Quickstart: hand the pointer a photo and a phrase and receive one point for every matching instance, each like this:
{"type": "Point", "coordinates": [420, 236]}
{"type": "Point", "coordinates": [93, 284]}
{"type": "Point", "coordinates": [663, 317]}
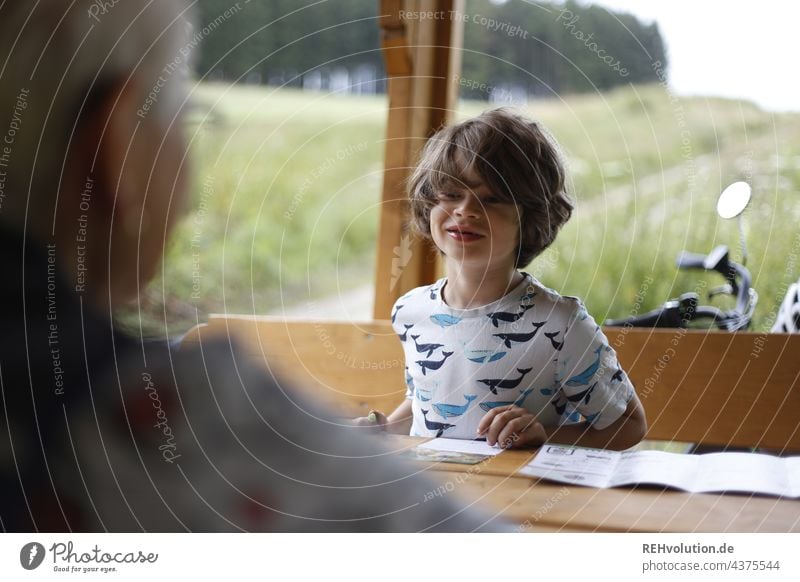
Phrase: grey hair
{"type": "Point", "coordinates": [57, 58]}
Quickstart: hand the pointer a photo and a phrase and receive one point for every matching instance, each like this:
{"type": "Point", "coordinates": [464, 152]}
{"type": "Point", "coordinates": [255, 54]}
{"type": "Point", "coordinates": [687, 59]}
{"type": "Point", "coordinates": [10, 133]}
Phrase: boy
{"type": "Point", "coordinates": [491, 352]}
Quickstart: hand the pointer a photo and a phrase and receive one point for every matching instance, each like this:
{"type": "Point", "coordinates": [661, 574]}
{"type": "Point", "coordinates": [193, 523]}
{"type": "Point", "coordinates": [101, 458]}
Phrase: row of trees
{"type": "Point", "coordinates": [513, 47]}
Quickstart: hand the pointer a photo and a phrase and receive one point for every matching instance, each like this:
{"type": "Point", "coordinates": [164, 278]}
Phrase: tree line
{"type": "Point", "coordinates": [516, 47]}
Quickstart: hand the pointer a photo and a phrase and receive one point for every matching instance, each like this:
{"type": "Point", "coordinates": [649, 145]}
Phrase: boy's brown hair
{"type": "Point", "coordinates": [516, 158]}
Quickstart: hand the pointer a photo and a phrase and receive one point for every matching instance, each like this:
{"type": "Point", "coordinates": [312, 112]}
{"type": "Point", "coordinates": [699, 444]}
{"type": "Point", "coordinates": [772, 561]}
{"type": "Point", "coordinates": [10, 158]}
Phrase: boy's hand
{"type": "Point", "coordinates": [512, 427]}
{"type": "Point", "coordinates": [374, 420]}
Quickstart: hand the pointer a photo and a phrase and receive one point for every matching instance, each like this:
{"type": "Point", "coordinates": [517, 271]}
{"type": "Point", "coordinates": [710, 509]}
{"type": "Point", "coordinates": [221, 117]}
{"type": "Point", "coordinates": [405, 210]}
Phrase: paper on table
{"type": "Point", "coordinates": [742, 472]}
{"type": "Point", "coordinates": [461, 446]}
{"type": "Point", "coordinates": [676, 470]}
{"type": "Point", "coordinates": [590, 467]}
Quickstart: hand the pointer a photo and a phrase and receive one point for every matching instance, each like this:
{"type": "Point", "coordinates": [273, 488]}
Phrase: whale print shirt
{"type": "Point", "coordinates": [533, 348]}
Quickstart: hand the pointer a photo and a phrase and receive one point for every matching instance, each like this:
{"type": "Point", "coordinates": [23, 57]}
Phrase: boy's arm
{"type": "Point", "coordinates": [398, 422]}
{"type": "Point", "coordinates": [513, 426]}
{"type": "Point", "coordinates": [621, 434]}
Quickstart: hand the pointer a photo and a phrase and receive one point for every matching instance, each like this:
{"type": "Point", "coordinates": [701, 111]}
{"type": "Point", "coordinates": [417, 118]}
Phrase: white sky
{"type": "Point", "coordinates": [731, 48]}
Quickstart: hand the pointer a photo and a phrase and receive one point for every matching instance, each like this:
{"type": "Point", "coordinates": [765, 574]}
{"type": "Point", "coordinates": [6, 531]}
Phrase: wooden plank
{"type": "Point", "coordinates": [421, 92]}
{"type": "Point", "coordinates": [450, 85]}
{"type": "Point", "coordinates": [350, 368]}
{"type": "Point", "coordinates": [716, 388]}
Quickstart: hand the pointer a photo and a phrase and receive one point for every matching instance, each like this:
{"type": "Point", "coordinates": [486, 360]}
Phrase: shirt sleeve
{"type": "Point", "coordinates": [590, 376]}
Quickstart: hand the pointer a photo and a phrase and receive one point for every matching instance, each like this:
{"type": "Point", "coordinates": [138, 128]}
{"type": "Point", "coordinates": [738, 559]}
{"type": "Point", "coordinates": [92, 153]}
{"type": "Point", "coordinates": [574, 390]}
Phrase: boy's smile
{"type": "Point", "coordinates": [464, 233]}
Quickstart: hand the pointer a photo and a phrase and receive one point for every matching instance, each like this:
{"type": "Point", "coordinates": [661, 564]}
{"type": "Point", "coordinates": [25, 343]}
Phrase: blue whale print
{"type": "Point", "coordinates": [439, 427]}
{"type": "Point", "coordinates": [424, 394]}
{"type": "Point", "coordinates": [396, 309]}
{"type": "Point", "coordinates": [433, 364]}
{"type": "Point", "coordinates": [586, 375]}
{"type": "Point", "coordinates": [422, 348]}
{"type": "Point", "coordinates": [550, 390]}
{"type": "Point", "coordinates": [507, 317]}
{"type": "Point", "coordinates": [519, 337]}
{"type": "Point", "coordinates": [483, 356]}
{"type": "Point", "coordinates": [444, 320]}
{"type": "Point", "coordinates": [404, 336]}
{"type": "Point", "coordinates": [584, 395]}
{"type": "Point", "coordinates": [448, 410]}
{"type": "Point", "coordinates": [494, 384]}
{"type": "Point", "coordinates": [551, 335]}
{"type": "Point", "coordinates": [487, 406]}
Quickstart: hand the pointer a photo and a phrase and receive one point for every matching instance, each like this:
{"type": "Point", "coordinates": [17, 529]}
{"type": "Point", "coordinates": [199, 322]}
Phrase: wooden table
{"type": "Point", "coordinates": [538, 505]}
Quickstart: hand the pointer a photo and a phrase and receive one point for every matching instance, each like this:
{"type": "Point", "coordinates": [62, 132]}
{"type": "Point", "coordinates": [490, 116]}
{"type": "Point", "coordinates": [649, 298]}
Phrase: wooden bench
{"type": "Point", "coordinates": [712, 388]}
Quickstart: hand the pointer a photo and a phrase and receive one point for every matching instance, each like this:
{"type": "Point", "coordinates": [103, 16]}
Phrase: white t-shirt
{"type": "Point", "coordinates": [533, 348]}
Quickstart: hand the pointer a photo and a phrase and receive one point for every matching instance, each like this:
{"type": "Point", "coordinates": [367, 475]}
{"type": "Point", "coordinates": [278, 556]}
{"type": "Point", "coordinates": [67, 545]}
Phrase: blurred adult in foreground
{"type": "Point", "coordinates": [99, 429]}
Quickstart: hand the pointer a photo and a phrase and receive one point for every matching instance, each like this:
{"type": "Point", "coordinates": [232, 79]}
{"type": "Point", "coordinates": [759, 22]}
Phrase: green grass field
{"type": "Point", "coordinates": [286, 199]}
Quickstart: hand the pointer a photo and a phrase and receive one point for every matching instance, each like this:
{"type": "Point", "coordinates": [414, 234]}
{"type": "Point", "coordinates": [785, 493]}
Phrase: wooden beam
{"type": "Point", "coordinates": [423, 58]}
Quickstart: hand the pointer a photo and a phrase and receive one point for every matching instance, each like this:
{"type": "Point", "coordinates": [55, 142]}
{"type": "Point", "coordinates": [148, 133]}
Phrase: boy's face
{"type": "Point", "coordinates": [474, 227]}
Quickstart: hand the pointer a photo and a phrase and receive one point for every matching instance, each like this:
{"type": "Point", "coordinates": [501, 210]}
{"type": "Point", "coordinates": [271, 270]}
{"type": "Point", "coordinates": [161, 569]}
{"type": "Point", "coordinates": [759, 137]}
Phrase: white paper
{"type": "Point", "coordinates": [590, 467]}
{"type": "Point", "coordinates": [656, 467]}
{"type": "Point", "coordinates": [740, 472]}
{"type": "Point", "coordinates": [461, 446]}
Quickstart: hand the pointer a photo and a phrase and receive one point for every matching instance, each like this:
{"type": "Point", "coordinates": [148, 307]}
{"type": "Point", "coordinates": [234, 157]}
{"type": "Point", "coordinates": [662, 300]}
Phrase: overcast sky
{"type": "Point", "coordinates": [732, 48]}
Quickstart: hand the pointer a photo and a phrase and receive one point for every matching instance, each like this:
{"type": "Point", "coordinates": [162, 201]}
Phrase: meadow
{"type": "Point", "coordinates": [286, 197]}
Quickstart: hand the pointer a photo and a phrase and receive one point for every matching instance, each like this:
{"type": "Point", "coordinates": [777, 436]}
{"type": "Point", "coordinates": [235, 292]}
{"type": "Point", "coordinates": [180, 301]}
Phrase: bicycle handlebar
{"type": "Point", "coordinates": [687, 260]}
{"type": "Point", "coordinates": [678, 313]}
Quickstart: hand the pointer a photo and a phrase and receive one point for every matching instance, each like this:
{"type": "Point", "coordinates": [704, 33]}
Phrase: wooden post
{"type": "Point", "coordinates": [421, 43]}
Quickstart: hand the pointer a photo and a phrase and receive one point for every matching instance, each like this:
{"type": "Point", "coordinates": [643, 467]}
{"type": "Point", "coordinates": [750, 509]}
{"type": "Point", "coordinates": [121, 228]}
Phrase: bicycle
{"type": "Point", "coordinates": [686, 311]}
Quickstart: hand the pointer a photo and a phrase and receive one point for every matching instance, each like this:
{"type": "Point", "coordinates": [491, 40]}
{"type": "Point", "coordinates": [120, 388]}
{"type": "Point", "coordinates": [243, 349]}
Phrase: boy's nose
{"type": "Point", "coordinates": [470, 206]}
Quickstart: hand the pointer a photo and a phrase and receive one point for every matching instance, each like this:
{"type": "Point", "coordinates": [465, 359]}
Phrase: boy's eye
{"type": "Point", "coordinates": [491, 200]}
{"type": "Point", "coordinates": [448, 196]}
